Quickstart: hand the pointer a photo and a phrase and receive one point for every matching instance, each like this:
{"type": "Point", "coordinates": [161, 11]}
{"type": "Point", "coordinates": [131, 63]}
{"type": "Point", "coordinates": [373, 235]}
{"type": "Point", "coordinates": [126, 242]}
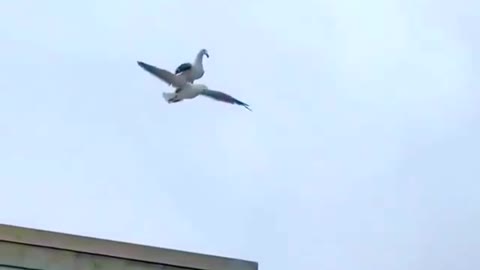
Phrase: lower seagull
{"type": "Point", "coordinates": [187, 90]}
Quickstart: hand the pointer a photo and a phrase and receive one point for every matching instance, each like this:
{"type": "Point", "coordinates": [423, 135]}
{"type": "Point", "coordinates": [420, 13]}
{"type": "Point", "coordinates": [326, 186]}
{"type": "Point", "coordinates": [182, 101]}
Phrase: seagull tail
{"type": "Point", "coordinates": [168, 96]}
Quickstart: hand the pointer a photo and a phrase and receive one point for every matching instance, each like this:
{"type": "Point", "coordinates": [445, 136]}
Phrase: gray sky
{"type": "Point", "coordinates": [360, 152]}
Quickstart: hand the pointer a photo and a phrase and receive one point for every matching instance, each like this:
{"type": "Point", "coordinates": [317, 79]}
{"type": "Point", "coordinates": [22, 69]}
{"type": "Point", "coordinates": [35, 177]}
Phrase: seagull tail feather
{"type": "Point", "coordinates": [168, 96]}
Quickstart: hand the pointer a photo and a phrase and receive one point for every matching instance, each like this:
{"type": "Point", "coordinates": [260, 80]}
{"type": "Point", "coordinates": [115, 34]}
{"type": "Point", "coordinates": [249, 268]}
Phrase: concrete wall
{"type": "Point", "coordinates": [32, 257]}
{"type": "Point", "coordinates": [43, 250]}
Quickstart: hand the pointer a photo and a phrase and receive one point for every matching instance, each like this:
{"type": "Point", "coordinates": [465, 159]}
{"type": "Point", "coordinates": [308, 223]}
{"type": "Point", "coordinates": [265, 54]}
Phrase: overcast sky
{"type": "Point", "coordinates": [362, 150]}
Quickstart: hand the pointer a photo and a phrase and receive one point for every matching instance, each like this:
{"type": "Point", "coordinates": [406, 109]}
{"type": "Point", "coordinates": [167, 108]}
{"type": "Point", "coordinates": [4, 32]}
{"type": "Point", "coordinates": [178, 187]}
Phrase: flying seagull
{"type": "Point", "coordinates": [186, 89]}
{"type": "Point", "coordinates": [193, 71]}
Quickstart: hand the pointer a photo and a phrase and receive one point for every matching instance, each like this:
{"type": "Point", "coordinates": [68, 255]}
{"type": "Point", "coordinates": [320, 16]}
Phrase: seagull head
{"type": "Point", "coordinates": [205, 52]}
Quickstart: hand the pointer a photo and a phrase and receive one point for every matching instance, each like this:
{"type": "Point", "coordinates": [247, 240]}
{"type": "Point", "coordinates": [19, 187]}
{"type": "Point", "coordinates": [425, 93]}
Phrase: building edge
{"type": "Point", "coordinates": [118, 249]}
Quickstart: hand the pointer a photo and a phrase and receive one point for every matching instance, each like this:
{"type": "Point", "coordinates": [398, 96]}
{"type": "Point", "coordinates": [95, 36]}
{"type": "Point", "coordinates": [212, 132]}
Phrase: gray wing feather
{"type": "Point", "coordinates": [186, 71]}
{"type": "Point", "coordinates": [220, 96]}
{"type": "Point", "coordinates": [183, 67]}
{"type": "Point", "coordinates": [164, 75]}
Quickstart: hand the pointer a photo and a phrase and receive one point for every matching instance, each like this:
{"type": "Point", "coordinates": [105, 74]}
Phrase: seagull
{"type": "Point", "coordinates": [186, 89]}
{"type": "Point", "coordinates": [193, 71]}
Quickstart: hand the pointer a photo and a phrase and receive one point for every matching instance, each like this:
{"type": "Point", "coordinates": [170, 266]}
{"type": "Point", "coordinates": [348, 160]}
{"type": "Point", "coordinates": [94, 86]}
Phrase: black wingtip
{"type": "Point", "coordinates": [243, 104]}
{"type": "Point", "coordinates": [146, 66]}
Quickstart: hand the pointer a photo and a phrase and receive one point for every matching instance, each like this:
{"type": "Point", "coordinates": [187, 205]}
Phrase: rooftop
{"type": "Point", "coordinates": [121, 250]}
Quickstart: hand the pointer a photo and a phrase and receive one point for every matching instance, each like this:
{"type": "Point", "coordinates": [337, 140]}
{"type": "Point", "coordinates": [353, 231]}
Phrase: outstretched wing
{"type": "Point", "coordinates": [183, 67]}
{"type": "Point", "coordinates": [164, 75]}
{"type": "Point", "coordinates": [220, 96]}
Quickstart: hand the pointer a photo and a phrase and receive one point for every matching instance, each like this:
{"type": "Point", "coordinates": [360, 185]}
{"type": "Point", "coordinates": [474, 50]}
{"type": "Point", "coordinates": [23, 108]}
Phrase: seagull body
{"type": "Point", "coordinates": [194, 71]}
{"type": "Point", "coordinates": [186, 89]}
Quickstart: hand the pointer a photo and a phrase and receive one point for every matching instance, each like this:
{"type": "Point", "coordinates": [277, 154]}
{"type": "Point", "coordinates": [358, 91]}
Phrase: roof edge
{"type": "Point", "coordinates": [105, 247]}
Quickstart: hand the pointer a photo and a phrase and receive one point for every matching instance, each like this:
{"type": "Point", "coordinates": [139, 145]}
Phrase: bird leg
{"type": "Point", "coordinates": [174, 100]}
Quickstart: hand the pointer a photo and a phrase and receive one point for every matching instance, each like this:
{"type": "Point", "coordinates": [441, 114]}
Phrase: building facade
{"type": "Point", "coordinates": [31, 249]}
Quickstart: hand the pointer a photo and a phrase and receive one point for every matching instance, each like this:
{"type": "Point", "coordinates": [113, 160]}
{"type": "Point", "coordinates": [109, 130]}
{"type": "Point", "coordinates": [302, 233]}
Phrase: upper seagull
{"type": "Point", "coordinates": [186, 89]}
{"type": "Point", "coordinates": [193, 71]}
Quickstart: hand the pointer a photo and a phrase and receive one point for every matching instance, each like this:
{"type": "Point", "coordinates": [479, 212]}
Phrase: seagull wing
{"type": "Point", "coordinates": [183, 67]}
{"type": "Point", "coordinates": [220, 96]}
{"type": "Point", "coordinates": [164, 75]}
{"type": "Point", "coordinates": [186, 71]}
